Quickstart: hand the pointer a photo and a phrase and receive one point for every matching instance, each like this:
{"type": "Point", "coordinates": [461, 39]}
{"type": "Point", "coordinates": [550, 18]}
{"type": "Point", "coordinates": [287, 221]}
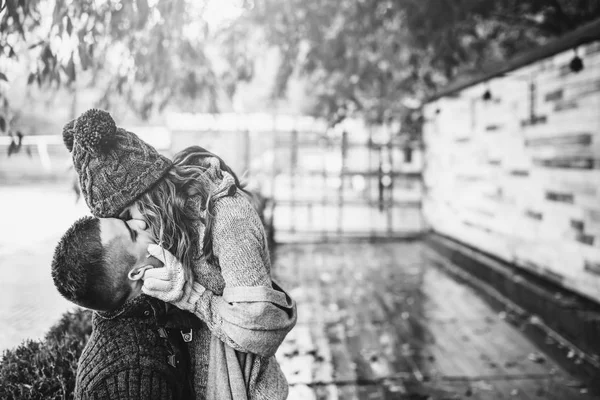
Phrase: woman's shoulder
{"type": "Point", "coordinates": [237, 211]}
{"type": "Point", "coordinates": [237, 205]}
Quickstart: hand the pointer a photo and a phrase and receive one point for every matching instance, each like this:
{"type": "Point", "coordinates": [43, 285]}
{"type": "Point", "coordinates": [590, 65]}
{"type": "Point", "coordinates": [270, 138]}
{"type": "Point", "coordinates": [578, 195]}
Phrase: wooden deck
{"type": "Point", "coordinates": [378, 321]}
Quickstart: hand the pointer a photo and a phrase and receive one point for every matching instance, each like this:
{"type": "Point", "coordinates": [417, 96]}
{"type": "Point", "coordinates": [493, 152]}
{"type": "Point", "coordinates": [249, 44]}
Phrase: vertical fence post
{"type": "Point", "coordinates": [390, 188]}
{"type": "Point", "coordinates": [246, 135]}
{"type": "Point", "coordinates": [293, 165]}
{"type": "Point", "coordinates": [342, 181]}
{"type": "Point", "coordinates": [274, 170]}
{"type": "Point", "coordinates": [370, 176]}
{"type": "Point", "coordinates": [324, 204]}
{"type": "Point", "coordinates": [380, 179]}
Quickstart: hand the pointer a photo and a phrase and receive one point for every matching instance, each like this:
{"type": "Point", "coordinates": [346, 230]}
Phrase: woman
{"type": "Point", "coordinates": [216, 259]}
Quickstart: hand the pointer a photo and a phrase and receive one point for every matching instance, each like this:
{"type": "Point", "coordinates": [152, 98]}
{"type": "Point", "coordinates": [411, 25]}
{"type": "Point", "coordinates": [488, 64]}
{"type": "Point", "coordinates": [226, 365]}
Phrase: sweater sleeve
{"type": "Point", "coordinates": [255, 317]}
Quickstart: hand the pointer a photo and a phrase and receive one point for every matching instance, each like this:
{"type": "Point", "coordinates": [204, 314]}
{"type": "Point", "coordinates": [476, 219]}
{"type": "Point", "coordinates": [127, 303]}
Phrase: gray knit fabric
{"type": "Point", "coordinates": [125, 358]}
{"type": "Point", "coordinates": [239, 243]}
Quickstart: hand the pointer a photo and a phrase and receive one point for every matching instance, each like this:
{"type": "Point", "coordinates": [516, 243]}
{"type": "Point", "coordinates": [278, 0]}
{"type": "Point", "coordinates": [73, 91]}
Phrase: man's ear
{"type": "Point", "coordinates": [137, 272]}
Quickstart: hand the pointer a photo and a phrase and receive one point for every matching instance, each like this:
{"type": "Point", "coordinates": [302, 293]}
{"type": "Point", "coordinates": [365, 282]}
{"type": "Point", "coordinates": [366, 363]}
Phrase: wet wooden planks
{"type": "Point", "coordinates": [379, 321]}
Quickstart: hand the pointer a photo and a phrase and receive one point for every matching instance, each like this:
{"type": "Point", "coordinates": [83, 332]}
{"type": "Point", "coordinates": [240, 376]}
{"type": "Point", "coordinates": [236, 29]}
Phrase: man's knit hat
{"type": "Point", "coordinates": [115, 166]}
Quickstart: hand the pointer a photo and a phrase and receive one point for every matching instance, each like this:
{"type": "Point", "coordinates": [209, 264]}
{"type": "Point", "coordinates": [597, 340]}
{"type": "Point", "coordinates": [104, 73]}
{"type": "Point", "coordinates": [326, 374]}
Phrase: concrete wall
{"type": "Point", "coordinates": [517, 173]}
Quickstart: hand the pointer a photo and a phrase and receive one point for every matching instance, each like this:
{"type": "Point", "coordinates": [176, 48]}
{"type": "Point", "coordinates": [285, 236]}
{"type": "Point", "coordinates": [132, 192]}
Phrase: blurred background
{"type": "Point", "coordinates": [421, 155]}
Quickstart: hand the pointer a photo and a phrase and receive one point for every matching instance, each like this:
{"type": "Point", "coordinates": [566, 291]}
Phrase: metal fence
{"type": "Point", "coordinates": [353, 181]}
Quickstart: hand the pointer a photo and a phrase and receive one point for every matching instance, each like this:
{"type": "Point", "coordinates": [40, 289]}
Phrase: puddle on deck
{"type": "Point", "coordinates": [378, 321]}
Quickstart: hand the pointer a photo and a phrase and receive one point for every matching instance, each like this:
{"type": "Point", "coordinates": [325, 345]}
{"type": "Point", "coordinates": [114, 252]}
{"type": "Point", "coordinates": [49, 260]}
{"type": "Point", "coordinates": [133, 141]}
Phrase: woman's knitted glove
{"type": "Point", "coordinates": [168, 283]}
{"type": "Point", "coordinates": [164, 283]}
{"type": "Point", "coordinates": [191, 294]}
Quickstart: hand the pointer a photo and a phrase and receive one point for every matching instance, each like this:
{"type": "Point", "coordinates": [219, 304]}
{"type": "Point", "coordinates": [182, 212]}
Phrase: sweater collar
{"type": "Point", "coordinates": [222, 180]}
{"type": "Point", "coordinates": [146, 307]}
{"type": "Point", "coordinates": [140, 306]}
{"type": "Point", "coordinates": [223, 184]}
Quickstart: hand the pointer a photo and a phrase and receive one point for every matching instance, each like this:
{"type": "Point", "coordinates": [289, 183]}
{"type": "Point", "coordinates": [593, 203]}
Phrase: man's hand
{"type": "Point", "coordinates": [164, 283]}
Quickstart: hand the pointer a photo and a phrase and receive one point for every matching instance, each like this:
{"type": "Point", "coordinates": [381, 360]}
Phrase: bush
{"type": "Point", "coordinates": [46, 369]}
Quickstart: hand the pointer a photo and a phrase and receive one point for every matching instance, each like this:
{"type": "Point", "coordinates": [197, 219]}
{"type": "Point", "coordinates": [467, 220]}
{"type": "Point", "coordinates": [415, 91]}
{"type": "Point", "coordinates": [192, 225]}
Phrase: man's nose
{"type": "Point", "coordinates": [137, 224]}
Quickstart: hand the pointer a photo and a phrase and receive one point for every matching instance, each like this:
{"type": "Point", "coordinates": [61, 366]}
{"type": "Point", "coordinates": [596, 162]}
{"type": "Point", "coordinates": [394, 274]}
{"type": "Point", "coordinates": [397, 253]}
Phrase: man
{"type": "Point", "coordinates": [137, 349]}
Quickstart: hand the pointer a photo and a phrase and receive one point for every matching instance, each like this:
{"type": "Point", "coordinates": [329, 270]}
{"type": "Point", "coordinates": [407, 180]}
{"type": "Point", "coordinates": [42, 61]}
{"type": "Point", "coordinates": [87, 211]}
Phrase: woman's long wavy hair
{"type": "Point", "coordinates": [172, 215]}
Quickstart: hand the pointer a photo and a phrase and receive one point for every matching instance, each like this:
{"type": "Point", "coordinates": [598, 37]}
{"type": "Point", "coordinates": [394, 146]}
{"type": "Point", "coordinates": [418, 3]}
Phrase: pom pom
{"type": "Point", "coordinates": [68, 135]}
{"type": "Point", "coordinates": [95, 130]}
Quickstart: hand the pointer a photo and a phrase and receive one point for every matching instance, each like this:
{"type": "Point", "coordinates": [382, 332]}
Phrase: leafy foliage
{"type": "Point", "coordinates": [148, 55]}
{"type": "Point", "coordinates": [374, 58]}
{"type": "Point", "coordinates": [360, 57]}
{"type": "Point", "coordinates": [46, 369]}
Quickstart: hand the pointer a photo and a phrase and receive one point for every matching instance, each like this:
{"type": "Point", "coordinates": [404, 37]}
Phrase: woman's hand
{"type": "Point", "coordinates": [164, 283]}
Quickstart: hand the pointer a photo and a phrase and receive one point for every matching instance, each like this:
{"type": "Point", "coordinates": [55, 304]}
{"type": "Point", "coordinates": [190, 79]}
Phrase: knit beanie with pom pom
{"type": "Point", "coordinates": [115, 166]}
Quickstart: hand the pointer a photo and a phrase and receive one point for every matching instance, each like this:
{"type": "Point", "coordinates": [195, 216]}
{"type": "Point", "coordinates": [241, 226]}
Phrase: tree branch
{"type": "Point", "coordinates": [568, 21]}
{"type": "Point", "coordinates": [522, 20]}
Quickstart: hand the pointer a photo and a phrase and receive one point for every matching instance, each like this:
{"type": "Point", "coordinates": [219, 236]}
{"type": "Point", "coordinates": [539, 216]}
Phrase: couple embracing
{"type": "Point", "coordinates": [176, 267]}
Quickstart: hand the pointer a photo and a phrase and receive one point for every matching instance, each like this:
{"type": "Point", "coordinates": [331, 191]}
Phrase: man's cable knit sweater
{"type": "Point", "coordinates": [126, 357]}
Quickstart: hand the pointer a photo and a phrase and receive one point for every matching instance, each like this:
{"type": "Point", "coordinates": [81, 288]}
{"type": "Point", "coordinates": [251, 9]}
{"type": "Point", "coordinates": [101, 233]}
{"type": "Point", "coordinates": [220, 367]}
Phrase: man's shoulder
{"type": "Point", "coordinates": [122, 346]}
{"type": "Point", "coordinates": [122, 340]}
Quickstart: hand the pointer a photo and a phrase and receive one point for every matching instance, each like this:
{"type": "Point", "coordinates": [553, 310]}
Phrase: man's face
{"type": "Point", "coordinates": [125, 240]}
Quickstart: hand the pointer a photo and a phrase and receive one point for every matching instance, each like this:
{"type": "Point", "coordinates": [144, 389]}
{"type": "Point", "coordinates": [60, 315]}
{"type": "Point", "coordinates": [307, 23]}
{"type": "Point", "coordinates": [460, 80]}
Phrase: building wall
{"type": "Point", "coordinates": [518, 175]}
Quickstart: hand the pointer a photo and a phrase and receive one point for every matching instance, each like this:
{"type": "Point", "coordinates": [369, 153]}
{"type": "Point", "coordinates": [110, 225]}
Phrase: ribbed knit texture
{"type": "Point", "coordinates": [125, 358]}
{"type": "Point", "coordinates": [240, 244]}
{"type": "Point", "coordinates": [114, 166]}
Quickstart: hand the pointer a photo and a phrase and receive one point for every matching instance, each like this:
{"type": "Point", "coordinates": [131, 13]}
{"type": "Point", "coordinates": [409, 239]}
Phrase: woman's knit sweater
{"type": "Point", "coordinates": [229, 306]}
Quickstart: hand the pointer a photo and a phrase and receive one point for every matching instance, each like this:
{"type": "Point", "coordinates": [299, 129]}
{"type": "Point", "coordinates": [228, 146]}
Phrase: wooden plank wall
{"type": "Point", "coordinates": [513, 168]}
